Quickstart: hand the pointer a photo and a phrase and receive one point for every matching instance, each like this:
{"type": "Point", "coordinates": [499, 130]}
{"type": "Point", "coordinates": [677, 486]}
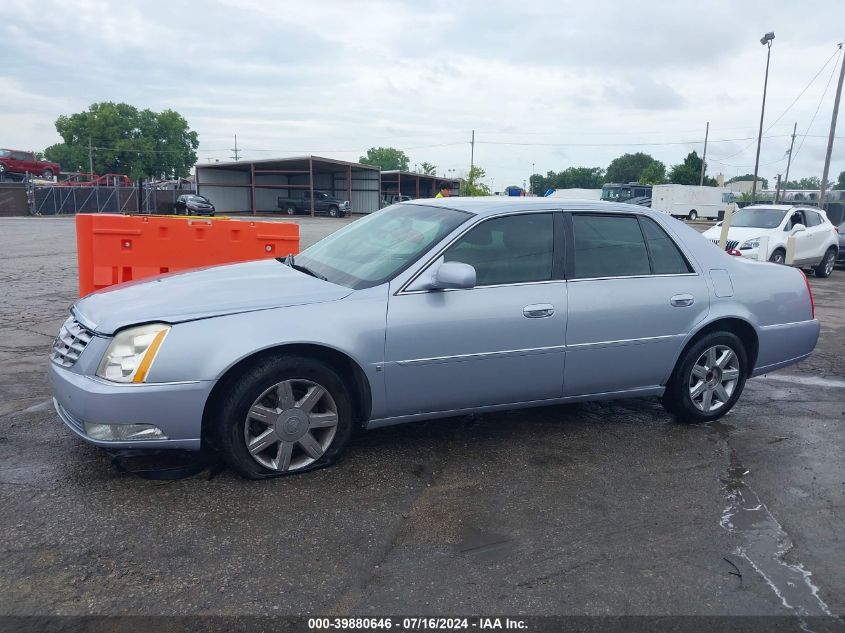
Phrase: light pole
{"type": "Point", "coordinates": [766, 41]}
{"type": "Point", "coordinates": [532, 178]}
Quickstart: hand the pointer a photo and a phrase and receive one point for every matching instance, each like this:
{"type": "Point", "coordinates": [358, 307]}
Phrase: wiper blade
{"type": "Point", "coordinates": [289, 261]}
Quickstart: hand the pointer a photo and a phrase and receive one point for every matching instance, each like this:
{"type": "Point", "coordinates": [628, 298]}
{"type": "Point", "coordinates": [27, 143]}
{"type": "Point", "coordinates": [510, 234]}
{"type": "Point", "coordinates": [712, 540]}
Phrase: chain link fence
{"type": "Point", "coordinates": [27, 198]}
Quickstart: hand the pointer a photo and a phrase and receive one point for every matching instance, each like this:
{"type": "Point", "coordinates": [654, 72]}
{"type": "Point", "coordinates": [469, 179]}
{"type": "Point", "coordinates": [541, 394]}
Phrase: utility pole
{"type": "Point", "coordinates": [90, 157]}
{"type": "Point", "coordinates": [235, 150]}
{"type": "Point", "coordinates": [832, 132]}
{"type": "Point", "coordinates": [531, 182]}
{"type": "Point", "coordinates": [789, 162]}
{"type": "Point", "coordinates": [766, 41]}
{"type": "Point", "coordinates": [472, 152]}
{"type": "Point", "coordinates": [777, 190]}
{"type": "Point", "coordinates": [703, 158]}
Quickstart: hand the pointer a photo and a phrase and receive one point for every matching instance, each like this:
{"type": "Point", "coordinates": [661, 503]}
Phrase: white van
{"type": "Point", "coordinates": [691, 201]}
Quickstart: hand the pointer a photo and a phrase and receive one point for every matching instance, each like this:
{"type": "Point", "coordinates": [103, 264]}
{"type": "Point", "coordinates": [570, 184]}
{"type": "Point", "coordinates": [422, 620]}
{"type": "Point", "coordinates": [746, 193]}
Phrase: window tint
{"type": "Point", "coordinates": [508, 250]}
{"type": "Point", "coordinates": [607, 246]}
{"type": "Point", "coordinates": [813, 218]}
{"type": "Point", "coordinates": [666, 259]}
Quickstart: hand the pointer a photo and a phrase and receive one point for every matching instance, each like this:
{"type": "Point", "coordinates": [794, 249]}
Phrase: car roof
{"type": "Point", "coordinates": [785, 207]}
{"type": "Point", "coordinates": [493, 205]}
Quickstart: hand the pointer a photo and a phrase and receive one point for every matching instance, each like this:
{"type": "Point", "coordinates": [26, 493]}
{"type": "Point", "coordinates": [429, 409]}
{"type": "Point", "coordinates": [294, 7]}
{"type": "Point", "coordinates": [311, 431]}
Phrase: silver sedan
{"type": "Point", "coordinates": [426, 309]}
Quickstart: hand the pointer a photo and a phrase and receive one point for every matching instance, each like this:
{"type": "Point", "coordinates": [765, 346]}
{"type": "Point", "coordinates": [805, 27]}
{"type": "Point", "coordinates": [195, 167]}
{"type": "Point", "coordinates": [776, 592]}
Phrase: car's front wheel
{"type": "Point", "coordinates": [285, 415]}
{"type": "Point", "coordinates": [693, 215]}
{"type": "Point", "coordinates": [333, 212]}
{"type": "Point", "coordinates": [48, 174]}
{"type": "Point", "coordinates": [778, 256]}
{"type": "Point", "coordinates": [826, 266]}
{"type": "Point", "coordinates": [708, 378]}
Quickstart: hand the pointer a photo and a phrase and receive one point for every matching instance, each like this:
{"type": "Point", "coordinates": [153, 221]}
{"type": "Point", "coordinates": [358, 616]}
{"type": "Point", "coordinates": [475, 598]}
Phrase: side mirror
{"type": "Point", "coordinates": [798, 228]}
{"type": "Point", "coordinates": [452, 275]}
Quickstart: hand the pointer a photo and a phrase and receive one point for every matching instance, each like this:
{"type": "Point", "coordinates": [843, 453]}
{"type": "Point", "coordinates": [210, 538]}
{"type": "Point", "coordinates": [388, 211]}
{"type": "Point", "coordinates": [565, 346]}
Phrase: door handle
{"type": "Point", "coordinates": [682, 301]}
{"type": "Point", "coordinates": [538, 310]}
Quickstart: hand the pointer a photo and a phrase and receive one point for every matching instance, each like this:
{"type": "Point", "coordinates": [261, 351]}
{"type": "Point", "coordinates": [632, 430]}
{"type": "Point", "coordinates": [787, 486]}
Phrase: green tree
{"type": "Point", "coordinates": [386, 158]}
{"type": "Point", "coordinates": [653, 174]}
{"type": "Point", "coordinates": [125, 140]}
{"type": "Point", "coordinates": [750, 178]}
{"type": "Point", "coordinates": [840, 184]}
{"type": "Point", "coordinates": [569, 178]}
{"type": "Point", "coordinates": [628, 167]}
{"type": "Point", "coordinates": [472, 185]}
{"type": "Point", "coordinates": [428, 169]}
{"type": "Point", "coordinates": [805, 183]}
{"type": "Point", "coordinates": [689, 172]}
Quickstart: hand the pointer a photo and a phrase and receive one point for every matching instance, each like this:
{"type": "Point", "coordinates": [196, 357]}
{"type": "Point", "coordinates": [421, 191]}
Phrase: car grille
{"type": "Point", "coordinates": [70, 343]}
{"type": "Point", "coordinates": [728, 245]}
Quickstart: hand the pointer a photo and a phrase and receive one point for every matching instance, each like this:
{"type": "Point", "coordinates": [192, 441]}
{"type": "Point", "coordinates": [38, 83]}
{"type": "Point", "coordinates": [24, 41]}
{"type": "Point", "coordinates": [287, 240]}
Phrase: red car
{"type": "Point", "coordinates": [16, 162]}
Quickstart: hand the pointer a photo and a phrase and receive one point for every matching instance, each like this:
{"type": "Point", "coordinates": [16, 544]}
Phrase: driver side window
{"type": "Point", "coordinates": [508, 250]}
{"type": "Point", "coordinates": [797, 217]}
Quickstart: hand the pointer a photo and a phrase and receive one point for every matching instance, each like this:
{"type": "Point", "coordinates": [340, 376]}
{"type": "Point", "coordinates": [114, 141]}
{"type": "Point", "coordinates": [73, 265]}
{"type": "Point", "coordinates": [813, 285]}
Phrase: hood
{"type": "Point", "coordinates": [203, 293]}
{"type": "Point", "coordinates": [740, 234]}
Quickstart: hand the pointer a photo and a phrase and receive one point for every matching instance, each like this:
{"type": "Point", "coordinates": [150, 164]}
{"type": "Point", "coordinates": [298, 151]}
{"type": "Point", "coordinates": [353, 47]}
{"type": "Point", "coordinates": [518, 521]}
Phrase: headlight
{"type": "Point", "coordinates": [132, 352]}
{"type": "Point", "coordinates": [754, 242]}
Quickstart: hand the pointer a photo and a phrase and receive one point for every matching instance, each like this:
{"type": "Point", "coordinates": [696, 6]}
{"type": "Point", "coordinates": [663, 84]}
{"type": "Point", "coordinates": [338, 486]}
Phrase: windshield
{"type": "Point", "coordinates": [758, 218]}
{"type": "Point", "coordinates": [4, 153]}
{"type": "Point", "coordinates": [196, 199]}
{"type": "Point", "coordinates": [376, 248]}
{"type": "Point", "coordinates": [611, 193]}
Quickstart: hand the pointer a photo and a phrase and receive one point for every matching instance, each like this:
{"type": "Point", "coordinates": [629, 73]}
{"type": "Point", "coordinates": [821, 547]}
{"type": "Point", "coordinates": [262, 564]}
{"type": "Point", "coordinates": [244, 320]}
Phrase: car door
{"type": "Point", "coordinates": [819, 234]}
{"type": "Point", "coordinates": [19, 165]}
{"type": "Point", "coordinates": [633, 299]}
{"type": "Point", "coordinates": [501, 341]}
{"type": "Point", "coordinates": [803, 239]}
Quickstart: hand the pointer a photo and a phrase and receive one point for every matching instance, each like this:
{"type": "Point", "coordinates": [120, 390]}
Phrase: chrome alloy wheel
{"type": "Point", "coordinates": [714, 378]}
{"type": "Point", "coordinates": [291, 425]}
{"type": "Point", "coordinates": [829, 263]}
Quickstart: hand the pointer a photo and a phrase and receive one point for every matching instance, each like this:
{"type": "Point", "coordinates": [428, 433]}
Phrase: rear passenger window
{"type": "Point", "coordinates": [666, 259]}
{"type": "Point", "coordinates": [813, 218]}
{"type": "Point", "coordinates": [608, 246]}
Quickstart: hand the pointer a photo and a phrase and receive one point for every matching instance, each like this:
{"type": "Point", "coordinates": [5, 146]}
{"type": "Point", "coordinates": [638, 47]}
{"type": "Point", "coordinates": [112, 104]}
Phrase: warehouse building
{"type": "Point", "coordinates": [255, 186]}
{"type": "Point", "coordinates": [399, 185]}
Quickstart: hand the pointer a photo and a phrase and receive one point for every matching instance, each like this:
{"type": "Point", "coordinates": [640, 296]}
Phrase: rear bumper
{"type": "Point", "coordinates": [785, 344]}
{"type": "Point", "coordinates": [176, 408]}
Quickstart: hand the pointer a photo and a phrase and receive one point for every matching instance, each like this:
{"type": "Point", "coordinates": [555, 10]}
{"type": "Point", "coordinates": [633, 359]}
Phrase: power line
{"type": "Point", "coordinates": [824, 94]}
{"type": "Point", "coordinates": [794, 101]}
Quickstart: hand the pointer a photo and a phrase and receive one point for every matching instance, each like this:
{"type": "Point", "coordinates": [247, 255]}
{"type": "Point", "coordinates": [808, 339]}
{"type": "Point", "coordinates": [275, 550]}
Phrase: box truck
{"type": "Point", "coordinates": [691, 201]}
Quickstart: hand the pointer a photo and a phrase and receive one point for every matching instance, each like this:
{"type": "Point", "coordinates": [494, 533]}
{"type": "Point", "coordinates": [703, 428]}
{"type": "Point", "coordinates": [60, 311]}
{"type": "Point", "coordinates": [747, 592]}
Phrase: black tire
{"type": "Point", "coordinates": [333, 211]}
{"type": "Point", "coordinates": [693, 215]}
{"type": "Point", "coordinates": [778, 256]}
{"type": "Point", "coordinates": [827, 264]}
{"type": "Point", "coordinates": [290, 210]}
{"type": "Point", "coordinates": [2, 168]}
{"type": "Point", "coordinates": [226, 430]}
{"type": "Point", "coordinates": [48, 174]}
{"type": "Point", "coordinates": [677, 398]}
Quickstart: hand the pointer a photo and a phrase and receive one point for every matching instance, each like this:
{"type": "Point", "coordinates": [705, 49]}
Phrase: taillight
{"type": "Point", "coordinates": [735, 252]}
{"type": "Point", "coordinates": [810, 293]}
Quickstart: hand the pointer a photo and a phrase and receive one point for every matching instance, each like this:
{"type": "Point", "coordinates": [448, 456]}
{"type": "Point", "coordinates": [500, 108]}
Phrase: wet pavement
{"type": "Point", "coordinates": [599, 509]}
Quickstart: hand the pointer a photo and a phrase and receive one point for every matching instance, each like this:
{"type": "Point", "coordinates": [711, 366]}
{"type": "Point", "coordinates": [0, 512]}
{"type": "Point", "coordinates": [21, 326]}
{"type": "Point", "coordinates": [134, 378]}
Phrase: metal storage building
{"type": "Point", "coordinates": [254, 186]}
{"type": "Point", "coordinates": [409, 183]}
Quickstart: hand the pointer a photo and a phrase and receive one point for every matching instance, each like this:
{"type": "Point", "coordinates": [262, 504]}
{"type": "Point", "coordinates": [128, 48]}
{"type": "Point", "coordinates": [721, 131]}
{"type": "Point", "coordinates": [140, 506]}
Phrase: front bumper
{"type": "Point", "coordinates": [176, 408]}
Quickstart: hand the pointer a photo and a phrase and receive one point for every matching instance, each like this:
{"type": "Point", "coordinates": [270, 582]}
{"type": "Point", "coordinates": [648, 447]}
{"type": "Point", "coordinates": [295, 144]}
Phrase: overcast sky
{"type": "Point", "coordinates": [556, 84]}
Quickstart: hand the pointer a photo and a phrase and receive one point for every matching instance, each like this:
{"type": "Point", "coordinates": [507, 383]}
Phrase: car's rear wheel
{"type": "Point", "coordinates": [708, 378]}
{"type": "Point", "coordinates": [693, 215]}
{"type": "Point", "coordinates": [290, 210]}
{"type": "Point", "coordinates": [284, 416]}
{"type": "Point", "coordinates": [778, 256]}
{"type": "Point", "coordinates": [826, 266]}
{"type": "Point", "coordinates": [48, 174]}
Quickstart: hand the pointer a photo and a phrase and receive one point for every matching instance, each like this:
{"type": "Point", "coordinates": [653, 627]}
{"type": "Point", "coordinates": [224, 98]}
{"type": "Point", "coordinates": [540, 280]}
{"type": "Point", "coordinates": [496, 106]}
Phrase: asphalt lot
{"type": "Point", "coordinates": [599, 509]}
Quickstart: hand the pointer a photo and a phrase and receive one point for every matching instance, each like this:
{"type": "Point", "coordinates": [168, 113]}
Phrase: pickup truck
{"type": "Point", "coordinates": [13, 161]}
{"type": "Point", "coordinates": [323, 204]}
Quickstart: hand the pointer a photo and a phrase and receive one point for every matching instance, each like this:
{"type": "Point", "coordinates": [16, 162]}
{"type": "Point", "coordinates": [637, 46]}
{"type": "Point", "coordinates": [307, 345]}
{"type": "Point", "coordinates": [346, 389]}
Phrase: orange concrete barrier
{"type": "Point", "coordinates": [116, 248]}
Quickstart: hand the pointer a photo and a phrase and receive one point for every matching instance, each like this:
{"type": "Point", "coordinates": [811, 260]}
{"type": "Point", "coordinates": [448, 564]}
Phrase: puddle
{"type": "Point", "coordinates": [805, 380]}
{"type": "Point", "coordinates": [765, 543]}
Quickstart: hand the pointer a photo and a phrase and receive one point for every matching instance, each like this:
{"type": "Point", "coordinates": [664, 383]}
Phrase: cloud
{"type": "Point", "coordinates": [575, 83]}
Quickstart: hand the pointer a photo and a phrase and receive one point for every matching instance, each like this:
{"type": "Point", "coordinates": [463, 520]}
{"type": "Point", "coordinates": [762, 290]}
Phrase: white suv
{"type": "Point", "coordinates": [816, 239]}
